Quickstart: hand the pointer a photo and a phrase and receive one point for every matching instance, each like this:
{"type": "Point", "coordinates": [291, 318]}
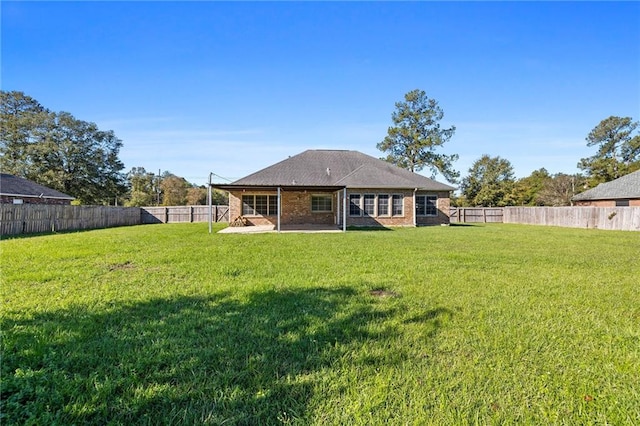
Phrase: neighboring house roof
{"type": "Point", "coordinates": [337, 169]}
{"type": "Point", "coordinates": [625, 187]}
{"type": "Point", "coordinates": [14, 186]}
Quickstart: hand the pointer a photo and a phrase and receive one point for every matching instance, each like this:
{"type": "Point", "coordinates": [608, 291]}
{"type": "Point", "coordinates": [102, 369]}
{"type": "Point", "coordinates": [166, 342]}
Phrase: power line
{"type": "Point", "coordinates": [221, 177]}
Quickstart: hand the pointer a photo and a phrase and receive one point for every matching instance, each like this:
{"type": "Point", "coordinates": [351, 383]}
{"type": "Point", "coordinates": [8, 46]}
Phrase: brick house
{"type": "Point", "coordinates": [17, 190]}
{"type": "Point", "coordinates": [621, 192]}
{"type": "Point", "coordinates": [338, 188]}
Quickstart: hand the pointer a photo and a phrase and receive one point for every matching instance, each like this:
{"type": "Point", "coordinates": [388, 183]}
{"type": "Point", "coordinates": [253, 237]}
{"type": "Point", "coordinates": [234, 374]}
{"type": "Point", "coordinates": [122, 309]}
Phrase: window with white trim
{"type": "Point", "coordinates": [254, 205]}
{"type": "Point", "coordinates": [355, 208]}
{"type": "Point", "coordinates": [426, 205]}
{"type": "Point", "coordinates": [321, 203]}
{"type": "Point", "coordinates": [383, 204]}
{"type": "Point", "coordinates": [397, 205]}
{"type": "Point", "coordinates": [369, 201]}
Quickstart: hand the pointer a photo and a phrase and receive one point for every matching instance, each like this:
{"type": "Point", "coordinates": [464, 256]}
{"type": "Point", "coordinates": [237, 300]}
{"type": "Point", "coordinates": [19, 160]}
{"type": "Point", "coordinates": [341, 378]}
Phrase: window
{"type": "Point", "coordinates": [426, 205]}
{"type": "Point", "coordinates": [321, 203]}
{"type": "Point", "coordinates": [265, 205]}
{"type": "Point", "coordinates": [261, 205]}
{"type": "Point", "coordinates": [273, 205]}
{"type": "Point", "coordinates": [354, 205]}
{"type": "Point", "coordinates": [369, 204]}
{"type": "Point", "coordinates": [397, 206]}
{"type": "Point", "coordinates": [622, 203]}
{"type": "Point", "coordinates": [383, 205]}
{"type": "Point", "coordinates": [247, 205]}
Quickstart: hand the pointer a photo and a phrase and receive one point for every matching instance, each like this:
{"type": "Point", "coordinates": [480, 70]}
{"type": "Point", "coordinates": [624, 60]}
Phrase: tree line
{"type": "Point", "coordinates": [167, 189]}
{"type": "Point", "coordinates": [76, 157]}
{"type": "Point", "coordinates": [414, 141]}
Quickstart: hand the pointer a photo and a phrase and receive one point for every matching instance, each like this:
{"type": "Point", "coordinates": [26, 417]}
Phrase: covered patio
{"type": "Point", "coordinates": [280, 208]}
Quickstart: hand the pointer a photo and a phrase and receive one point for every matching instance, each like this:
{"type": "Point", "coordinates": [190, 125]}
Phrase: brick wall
{"type": "Point", "coordinates": [296, 209]}
{"type": "Point", "coordinates": [605, 203]}
{"type": "Point", "coordinates": [407, 218]}
{"type": "Point", "coordinates": [295, 205]}
{"type": "Point", "coordinates": [443, 205]}
{"type": "Point", "coordinates": [235, 208]}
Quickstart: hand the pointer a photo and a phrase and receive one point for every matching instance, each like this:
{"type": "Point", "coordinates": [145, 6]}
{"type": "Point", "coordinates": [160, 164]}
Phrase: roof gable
{"type": "Point", "coordinates": [11, 185]}
{"type": "Point", "coordinates": [627, 186]}
{"type": "Point", "coordinates": [352, 169]}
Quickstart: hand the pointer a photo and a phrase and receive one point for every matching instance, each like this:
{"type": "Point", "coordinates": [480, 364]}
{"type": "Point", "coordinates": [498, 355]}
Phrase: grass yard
{"type": "Point", "coordinates": [166, 324]}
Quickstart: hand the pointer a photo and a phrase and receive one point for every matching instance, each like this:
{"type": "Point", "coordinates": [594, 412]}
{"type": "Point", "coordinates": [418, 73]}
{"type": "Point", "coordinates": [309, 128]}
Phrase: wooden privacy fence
{"type": "Point", "coordinates": [34, 218]}
{"type": "Point", "coordinates": [181, 214]}
{"type": "Point", "coordinates": [610, 218]}
{"type": "Point", "coordinates": [476, 214]}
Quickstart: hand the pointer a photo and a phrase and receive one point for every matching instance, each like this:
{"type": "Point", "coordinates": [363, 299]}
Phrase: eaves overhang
{"type": "Point", "coordinates": [323, 188]}
{"type": "Point", "coordinates": [5, 194]}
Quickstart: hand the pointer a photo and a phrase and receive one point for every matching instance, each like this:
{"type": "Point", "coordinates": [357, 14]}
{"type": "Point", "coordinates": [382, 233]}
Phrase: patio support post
{"type": "Point", "coordinates": [209, 202]}
{"type": "Point", "coordinates": [279, 207]}
{"type": "Point", "coordinates": [344, 210]}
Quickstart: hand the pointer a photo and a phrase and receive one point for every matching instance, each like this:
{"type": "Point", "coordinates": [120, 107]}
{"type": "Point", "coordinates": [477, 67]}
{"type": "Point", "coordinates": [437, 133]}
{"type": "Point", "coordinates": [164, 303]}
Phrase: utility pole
{"type": "Point", "coordinates": [158, 188]}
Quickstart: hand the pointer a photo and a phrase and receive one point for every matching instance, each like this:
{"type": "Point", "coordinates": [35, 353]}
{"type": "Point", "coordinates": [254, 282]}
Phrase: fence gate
{"type": "Point", "coordinates": [476, 214]}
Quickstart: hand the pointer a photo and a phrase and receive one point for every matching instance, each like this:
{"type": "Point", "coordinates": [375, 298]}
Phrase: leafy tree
{"type": "Point", "coordinates": [59, 151]}
{"type": "Point", "coordinates": [142, 186]}
{"type": "Point", "coordinates": [174, 190]}
{"type": "Point", "coordinates": [489, 183]}
{"type": "Point", "coordinates": [526, 190]}
{"type": "Point", "coordinates": [412, 142]}
{"type": "Point", "coordinates": [560, 189]}
{"type": "Point", "coordinates": [618, 150]}
{"type": "Point", "coordinates": [23, 121]}
{"type": "Point", "coordinates": [219, 198]}
{"type": "Point", "coordinates": [196, 195]}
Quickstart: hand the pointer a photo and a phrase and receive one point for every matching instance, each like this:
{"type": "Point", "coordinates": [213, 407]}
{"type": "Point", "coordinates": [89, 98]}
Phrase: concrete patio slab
{"type": "Point", "coordinates": [261, 229]}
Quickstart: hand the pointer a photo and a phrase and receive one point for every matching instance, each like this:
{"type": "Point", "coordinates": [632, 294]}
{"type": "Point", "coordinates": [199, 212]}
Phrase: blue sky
{"type": "Point", "coordinates": [230, 88]}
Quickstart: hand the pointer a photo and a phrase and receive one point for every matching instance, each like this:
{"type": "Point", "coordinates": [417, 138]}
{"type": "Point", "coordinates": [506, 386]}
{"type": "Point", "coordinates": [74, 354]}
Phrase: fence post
{"type": "Point", "coordinates": [190, 214]}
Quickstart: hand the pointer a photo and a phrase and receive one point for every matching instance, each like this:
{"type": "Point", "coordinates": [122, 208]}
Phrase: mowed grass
{"type": "Point", "coordinates": [166, 324]}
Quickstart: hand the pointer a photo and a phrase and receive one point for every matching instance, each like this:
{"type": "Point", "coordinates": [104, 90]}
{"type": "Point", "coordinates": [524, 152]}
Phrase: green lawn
{"type": "Point", "coordinates": [166, 324]}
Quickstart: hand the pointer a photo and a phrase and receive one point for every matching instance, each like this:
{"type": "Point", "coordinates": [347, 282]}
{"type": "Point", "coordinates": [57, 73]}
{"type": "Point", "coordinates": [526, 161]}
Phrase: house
{"type": "Point", "coordinates": [621, 192]}
{"type": "Point", "coordinates": [17, 190]}
{"type": "Point", "coordinates": [341, 188]}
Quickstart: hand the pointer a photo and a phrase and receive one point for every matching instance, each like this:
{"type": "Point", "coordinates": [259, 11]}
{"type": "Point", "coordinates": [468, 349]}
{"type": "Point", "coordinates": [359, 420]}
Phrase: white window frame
{"type": "Point", "coordinates": [388, 213]}
{"type": "Point", "coordinates": [374, 212]}
{"type": "Point", "coordinates": [359, 205]}
{"type": "Point", "coordinates": [425, 198]}
{"type": "Point", "coordinates": [252, 206]}
{"type": "Point", "coordinates": [393, 197]}
{"type": "Point", "coordinates": [324, 196]}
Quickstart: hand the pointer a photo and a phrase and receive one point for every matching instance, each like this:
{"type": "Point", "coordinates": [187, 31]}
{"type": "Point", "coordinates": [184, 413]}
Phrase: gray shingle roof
{"type": "Point", "coordinates": [625, 187]}
{"type": "Point", "coordinates": [11, 185]}
{"type": "Point", "coordinates": [338, 168]}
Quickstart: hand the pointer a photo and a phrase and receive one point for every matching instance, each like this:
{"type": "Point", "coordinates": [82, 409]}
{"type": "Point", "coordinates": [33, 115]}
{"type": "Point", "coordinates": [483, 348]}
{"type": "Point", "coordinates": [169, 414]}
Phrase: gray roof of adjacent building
{"type": "Point", "coordinates": [338, 168]}
{"type": "Point", "coordinates": [625, 187]}
{"type": "Point", "coordinates": [14, 186]}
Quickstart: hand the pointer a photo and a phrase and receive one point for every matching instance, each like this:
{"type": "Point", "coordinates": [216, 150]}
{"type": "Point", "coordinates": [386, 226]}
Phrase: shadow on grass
{"type": "Point", "coordinates": [189, 360]}
{"type": "Point", "coordinates": [369, 228]}
{"type": "Point", "coordinates": [465, 225]}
